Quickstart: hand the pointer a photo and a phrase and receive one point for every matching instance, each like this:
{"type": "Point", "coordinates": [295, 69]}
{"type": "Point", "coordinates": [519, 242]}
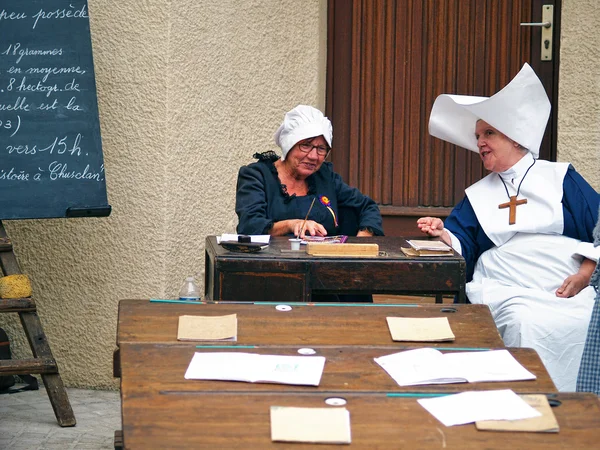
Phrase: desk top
{"type": "Point", "coordinates": [307, 324]}
{"type": "Point", "coordinates": [218, 420]}
{"type": "Point", "coordinates": [389, 248]}
{"type": "Point", "coordinates": [161, 367]}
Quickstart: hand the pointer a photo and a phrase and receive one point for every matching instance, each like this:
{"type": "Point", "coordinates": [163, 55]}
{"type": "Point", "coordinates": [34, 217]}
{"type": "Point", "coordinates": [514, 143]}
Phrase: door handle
{"type": "Point", "coordinates": [547, 26]}
{"type": "Point", "coordinates": [537, 24]}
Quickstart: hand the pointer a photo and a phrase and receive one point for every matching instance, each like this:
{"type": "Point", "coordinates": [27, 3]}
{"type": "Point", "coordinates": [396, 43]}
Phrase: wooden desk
{"type": "Point", "coordinates": [273, 275]}
{"type": "Point", "coordinates": [315, 324]}
{"type": "Point", "coordinates": [242, 420]}
{"type": "Point", "coordinates": [161, 368]}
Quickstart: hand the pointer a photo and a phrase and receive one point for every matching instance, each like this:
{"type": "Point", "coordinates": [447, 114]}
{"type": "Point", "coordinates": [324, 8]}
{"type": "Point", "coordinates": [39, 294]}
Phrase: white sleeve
{"type": "Point", "coordinates": [588, 250]}
{"type": "Point", "coordinates": [454, 241]}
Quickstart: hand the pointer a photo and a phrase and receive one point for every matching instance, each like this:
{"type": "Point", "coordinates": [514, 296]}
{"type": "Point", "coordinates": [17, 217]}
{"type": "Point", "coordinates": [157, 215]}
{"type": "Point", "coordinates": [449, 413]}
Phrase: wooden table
{"type": "Point", "coordinates": [242, 420]}
{"type": "Point", "coordinates": [276, 274]}
{"type": "Point", "coordinates": [307, 324]}
{"type": "Point", "coordinates": [161, 368]}
{"type": "Point", "coordinates": [160, 409]}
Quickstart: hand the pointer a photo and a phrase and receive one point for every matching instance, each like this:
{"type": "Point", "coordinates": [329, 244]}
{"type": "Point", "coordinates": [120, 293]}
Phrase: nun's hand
{"type": "Point", "coordinates": [572, 285]}
{"type": "Point", "coordinates": [432, 226]}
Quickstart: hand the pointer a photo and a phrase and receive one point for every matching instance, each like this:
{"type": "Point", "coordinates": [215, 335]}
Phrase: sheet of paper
{"type": "Point", "coordinates": [471, 406]}
{"type": "Point", "coordinates": [546, 423]}
{"type": "Point", "coordinates": [258, 238]}
{"type": "Point", "coordinates": [207, 328]}
{"type": "Point", "coordinates": [420, 366]}
{"type": "Point", "coordinates": [317, 425]}
{"type": "Point", "coordinates": [430, 366]}
{"type": "Point", "coordinates": [428, 329]}
{"type": "Point", "coordinates": [492, 365]}
{"type": "Point", "coordinates": [254, 368]}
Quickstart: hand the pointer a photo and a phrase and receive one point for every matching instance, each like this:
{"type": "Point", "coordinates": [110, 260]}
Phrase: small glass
{"type": "Point", "coordinates": [295, 243]}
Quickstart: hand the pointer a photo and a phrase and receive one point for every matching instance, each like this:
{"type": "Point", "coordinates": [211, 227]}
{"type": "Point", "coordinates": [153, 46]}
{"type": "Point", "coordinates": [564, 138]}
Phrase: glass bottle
{"type": "Point", "coordinates": [189, 291]}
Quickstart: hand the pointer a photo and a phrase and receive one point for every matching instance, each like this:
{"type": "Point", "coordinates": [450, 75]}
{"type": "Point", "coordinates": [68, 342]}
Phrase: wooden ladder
{"type": "Point", "coordinates": [43, 362]}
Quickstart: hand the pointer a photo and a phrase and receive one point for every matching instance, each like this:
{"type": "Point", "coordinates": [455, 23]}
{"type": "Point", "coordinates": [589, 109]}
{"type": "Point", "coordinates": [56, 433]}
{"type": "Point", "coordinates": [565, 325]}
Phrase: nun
{"type": "Point", "coordinates": [526, 229]}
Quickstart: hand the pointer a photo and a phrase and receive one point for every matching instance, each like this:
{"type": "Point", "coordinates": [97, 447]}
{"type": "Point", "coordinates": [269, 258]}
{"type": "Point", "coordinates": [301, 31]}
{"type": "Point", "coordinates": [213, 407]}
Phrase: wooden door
{"type": "Point", "coordinates": [387, 62]}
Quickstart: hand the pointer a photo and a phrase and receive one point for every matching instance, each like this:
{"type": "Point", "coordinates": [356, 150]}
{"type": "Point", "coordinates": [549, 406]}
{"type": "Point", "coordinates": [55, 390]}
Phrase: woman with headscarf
{"type": "Point", "coordinates": [525, 230]}
{"type": "Point", "coordinates": [274, 194]}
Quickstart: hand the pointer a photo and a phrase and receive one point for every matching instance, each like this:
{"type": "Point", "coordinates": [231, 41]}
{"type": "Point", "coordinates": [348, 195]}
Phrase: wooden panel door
{"type": "Point", "coordinates": [387, 62]}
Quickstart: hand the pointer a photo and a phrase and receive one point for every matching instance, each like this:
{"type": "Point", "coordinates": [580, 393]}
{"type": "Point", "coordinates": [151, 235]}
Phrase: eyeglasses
{"type": "Point", "coordinates": [306, 147]}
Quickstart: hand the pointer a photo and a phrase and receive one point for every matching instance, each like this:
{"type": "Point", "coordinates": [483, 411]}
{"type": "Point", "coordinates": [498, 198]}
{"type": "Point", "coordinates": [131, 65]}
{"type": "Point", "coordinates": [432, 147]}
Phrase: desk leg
{"type": "Point", "coordinates": [439, 298]}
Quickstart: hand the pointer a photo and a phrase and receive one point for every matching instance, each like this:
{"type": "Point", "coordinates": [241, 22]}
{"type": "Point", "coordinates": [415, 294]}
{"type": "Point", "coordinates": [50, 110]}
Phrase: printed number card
{"type": "Point", "coordinates": [429, 329]}
{"type": "Point", "coordinates": [207, 328]}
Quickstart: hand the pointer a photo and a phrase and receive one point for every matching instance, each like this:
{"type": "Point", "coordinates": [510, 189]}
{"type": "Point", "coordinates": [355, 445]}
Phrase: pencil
{"type": "Point", "coordinates": [306, 218]}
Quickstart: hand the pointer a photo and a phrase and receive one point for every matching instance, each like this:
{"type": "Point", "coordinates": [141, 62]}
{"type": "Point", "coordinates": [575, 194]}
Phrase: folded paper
{"type": "Point", "coordinates": [207, 328]}
{"type": "Point", "coordinates": [430, 366]}
{"type": "Point", "coordinates": [316, 425]}
{"type": "Point", "coordinates": [428, 329]}
{"type": "Point", "coordinates": [255, 368]}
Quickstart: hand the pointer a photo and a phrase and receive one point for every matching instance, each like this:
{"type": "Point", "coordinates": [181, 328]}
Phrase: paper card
{"type": "Point", "coordinates": [317, 425]}
{"type": "Point", "coordinates": [207, 328]}
{"type": "Point", "coordinates": [429, 329]}
{"type": "Point", "coordinates": [546, 423]}
{"type": "Point", "coordinates": [473, 406]}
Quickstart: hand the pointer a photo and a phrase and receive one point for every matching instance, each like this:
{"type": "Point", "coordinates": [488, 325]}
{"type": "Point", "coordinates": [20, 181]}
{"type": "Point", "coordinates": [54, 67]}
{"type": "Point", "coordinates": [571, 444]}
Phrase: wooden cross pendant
{"type": "Point", "coordinates": [512, 204]}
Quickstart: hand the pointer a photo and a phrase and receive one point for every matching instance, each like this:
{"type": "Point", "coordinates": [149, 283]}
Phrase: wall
{"type": "Point", "coordinates": [188, 91]}
{"type": "Point", "coordinates": [579, 91]}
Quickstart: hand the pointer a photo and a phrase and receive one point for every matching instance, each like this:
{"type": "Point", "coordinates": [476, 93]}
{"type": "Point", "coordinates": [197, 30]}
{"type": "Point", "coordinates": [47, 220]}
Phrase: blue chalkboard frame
{"type": "Point", "coordinates": [51, 161]}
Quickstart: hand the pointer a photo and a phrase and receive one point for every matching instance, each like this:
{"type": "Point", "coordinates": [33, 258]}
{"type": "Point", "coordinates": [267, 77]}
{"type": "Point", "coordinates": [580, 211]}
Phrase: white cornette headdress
{"type": "Point", "coordinates": [520, 111]}
{"type": "Point", "coordinates": [300, 123]}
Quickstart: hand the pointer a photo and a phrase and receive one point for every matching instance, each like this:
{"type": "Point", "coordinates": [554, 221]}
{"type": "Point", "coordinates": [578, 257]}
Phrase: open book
{"type": "Point", "coordinates": [254, 368]}
{"type": "Point", "coordinates": [430, 366]}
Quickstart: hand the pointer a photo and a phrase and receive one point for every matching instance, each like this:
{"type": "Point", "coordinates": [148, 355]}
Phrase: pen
{"type": "Point", "coordinates": [417, 394]}
{"type": "Point", "coordinates": [200, 302]}
{"type": "Point", "coordinates": [306, 218]}
{"type": "Point", "coordinates": [226, 346]}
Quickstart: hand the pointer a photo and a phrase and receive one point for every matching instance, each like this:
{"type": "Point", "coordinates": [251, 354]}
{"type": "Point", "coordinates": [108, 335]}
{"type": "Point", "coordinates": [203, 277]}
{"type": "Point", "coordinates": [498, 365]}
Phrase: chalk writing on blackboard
{"type": "Point", "coordinates": [51, 158]}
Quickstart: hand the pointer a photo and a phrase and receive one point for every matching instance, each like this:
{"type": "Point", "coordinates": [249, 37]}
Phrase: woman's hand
{"type": "Point", "coordinates": [311, 228]}
{"type": "Point", "coordinates": [574, 284]}
{"type": "Point", "coordinates": [432, 226]}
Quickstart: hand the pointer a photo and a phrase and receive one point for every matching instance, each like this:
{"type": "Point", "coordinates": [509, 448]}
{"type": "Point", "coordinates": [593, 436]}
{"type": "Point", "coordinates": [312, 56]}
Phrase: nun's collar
{"type": "Point", "coordinates": [518, 170]}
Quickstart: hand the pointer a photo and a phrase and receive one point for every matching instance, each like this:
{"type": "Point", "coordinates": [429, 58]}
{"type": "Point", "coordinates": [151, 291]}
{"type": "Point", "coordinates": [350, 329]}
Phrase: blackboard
{"type": "Point", "coordinates": [51, 162]}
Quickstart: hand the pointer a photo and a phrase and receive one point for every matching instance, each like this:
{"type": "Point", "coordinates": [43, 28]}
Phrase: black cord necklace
{"type": "Point", "coordinates": [513, 202]}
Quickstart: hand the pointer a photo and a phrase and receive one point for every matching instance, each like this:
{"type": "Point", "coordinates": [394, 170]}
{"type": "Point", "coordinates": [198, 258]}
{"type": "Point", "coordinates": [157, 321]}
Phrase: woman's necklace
{"type": "Point", "coordinates": [513, 203]}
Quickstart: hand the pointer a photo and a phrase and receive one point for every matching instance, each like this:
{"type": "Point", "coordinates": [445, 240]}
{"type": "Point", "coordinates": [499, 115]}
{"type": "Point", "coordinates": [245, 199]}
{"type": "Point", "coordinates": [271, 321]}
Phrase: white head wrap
{"type": "Point", "coordinates": [520, 111]}
{"type": "Point", "coordinates": [300, 123]}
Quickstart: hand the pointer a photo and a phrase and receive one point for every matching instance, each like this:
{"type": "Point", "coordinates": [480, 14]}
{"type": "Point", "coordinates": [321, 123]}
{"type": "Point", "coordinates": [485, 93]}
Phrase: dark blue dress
{"type": "Point", "coordinates": [261, 200]}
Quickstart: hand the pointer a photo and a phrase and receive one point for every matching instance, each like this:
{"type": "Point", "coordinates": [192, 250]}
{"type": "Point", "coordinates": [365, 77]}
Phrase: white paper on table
{"type": "Point", "coordinates": [472, 406]}
{"type": "Point", "coordinates": [258, 238]}
{"type": "Point", "coordinates": [430, 366]}
{"type": "Point", "coordinates": [254, 368]}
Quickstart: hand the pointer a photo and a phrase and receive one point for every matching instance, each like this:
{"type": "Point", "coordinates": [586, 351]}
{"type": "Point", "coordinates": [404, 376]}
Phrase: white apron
{"type": "Point", "coordinates": [518, 281]}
